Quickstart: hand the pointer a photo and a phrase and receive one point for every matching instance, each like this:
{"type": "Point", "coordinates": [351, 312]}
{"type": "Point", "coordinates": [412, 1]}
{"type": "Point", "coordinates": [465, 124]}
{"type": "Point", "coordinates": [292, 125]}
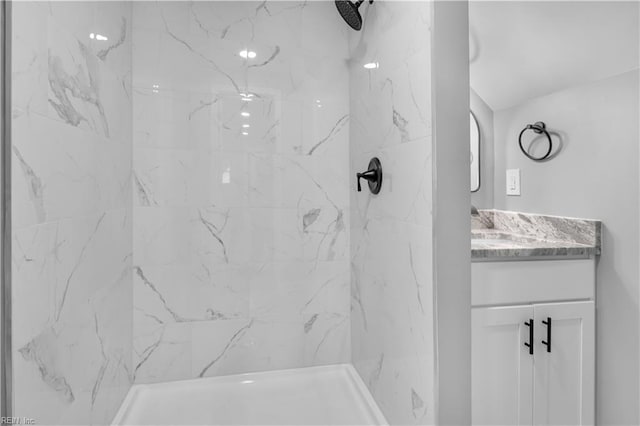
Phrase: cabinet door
{"type": "Point", "coordinates": [502, 369]}
{"type": "Point", "coordinates": [564, 389]}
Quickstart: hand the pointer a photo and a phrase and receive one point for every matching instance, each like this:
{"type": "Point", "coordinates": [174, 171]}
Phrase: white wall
{"type": "Point", "coordinates": [451, 243]}
{"type": "Point", "coordinates": [594, 176]}
{"type": "Point", "coordinates": [483, 198]}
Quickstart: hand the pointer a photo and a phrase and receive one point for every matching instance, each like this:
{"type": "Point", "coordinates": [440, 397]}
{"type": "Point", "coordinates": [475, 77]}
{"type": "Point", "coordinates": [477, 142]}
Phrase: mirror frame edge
{"type": "Point", "coordinates": [475, 120]}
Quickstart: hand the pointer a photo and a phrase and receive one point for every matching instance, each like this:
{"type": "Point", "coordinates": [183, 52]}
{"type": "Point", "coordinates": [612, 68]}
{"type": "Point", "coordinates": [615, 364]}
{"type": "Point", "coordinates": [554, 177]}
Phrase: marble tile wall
{"type": "Point", "coordinates": [72, 210]}
{"type": "Point", "coordinates": [392, 321]}
{"type": "Point", "coordinates": [241, 187]}
{"type": "Point", "coordinates": [241, 247]}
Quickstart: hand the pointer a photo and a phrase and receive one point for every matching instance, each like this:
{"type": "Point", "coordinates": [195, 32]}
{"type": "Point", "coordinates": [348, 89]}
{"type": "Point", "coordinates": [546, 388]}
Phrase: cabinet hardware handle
{"type": "Point", "coordinates": [548, 341]}
{"type": "Point", "coordinates": [530, 344]}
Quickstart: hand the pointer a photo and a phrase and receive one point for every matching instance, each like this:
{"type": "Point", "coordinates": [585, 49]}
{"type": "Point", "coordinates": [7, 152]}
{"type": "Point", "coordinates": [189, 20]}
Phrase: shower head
{"type": "Point", "coordinates": [349, 12]}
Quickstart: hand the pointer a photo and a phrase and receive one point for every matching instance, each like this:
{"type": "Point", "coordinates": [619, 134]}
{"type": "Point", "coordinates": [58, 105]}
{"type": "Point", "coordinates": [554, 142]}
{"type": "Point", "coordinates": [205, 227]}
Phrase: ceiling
{"type": "Point", "coordinates": [521, 50]}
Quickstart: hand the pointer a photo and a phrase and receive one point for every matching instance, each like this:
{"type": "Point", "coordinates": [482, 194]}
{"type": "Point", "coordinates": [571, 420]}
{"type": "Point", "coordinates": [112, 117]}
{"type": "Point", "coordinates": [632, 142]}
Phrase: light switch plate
{"type": "Point", "coordinates": [513, 182]}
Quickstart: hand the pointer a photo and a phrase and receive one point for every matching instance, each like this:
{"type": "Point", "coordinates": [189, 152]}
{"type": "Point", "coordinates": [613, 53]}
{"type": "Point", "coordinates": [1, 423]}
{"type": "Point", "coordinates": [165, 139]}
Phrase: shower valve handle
{"type": "Point", "coordinates": [373, 176]}
{"type": "Point", "coordinates": [370, 175]}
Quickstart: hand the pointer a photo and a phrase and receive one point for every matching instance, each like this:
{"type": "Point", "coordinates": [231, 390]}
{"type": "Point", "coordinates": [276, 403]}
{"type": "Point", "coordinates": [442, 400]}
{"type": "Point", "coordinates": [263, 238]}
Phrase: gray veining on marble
{"type": "Point", "coordinates": [498, 234]}
{"type": "Point", "coordinates": [39, 352]}
{"type": "Point", "coordinates": [121, 39]}
{"type": "Point", "coordinates": [67, 87]}
{"type": "Point", "coordinates": [237, 336]}
{"type": "Point", "coordinates": [34, 184]}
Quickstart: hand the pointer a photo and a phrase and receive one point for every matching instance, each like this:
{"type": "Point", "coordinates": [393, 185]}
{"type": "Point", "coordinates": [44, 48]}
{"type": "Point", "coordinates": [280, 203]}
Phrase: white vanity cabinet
{"type": "Point", "coordinates": [517, 378]}
{"type": "Point", "coordinates": [502, 369]}
{"type": "Point", "coordinates": [564, 378]}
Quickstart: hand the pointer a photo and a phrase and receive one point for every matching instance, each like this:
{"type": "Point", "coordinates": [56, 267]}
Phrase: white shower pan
{"type": "Point", "coordinates": [327, 395]}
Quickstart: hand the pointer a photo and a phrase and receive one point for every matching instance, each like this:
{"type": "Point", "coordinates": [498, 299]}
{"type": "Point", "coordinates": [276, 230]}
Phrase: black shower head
{"type": "Point", "coordinates": [349, 12]}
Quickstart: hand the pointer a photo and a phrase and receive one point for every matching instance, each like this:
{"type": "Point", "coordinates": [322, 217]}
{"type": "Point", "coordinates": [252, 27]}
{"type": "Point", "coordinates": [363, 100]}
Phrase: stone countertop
{"type": "Point", "coordinates": [505, 235]}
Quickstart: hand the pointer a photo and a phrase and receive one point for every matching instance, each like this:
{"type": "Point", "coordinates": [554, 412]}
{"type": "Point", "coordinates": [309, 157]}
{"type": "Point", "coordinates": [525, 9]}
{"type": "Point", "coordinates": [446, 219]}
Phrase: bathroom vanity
{"type": "Point", "coordinates": [533, 318]}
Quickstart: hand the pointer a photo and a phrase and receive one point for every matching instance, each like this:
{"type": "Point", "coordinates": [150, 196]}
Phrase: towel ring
{"type": "Point", "coordinates": [538, 127]}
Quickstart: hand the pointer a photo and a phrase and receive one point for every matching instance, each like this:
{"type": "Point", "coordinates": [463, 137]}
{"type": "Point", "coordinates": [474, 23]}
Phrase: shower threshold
{"type": "Point", "coordinates": [326, 395]}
